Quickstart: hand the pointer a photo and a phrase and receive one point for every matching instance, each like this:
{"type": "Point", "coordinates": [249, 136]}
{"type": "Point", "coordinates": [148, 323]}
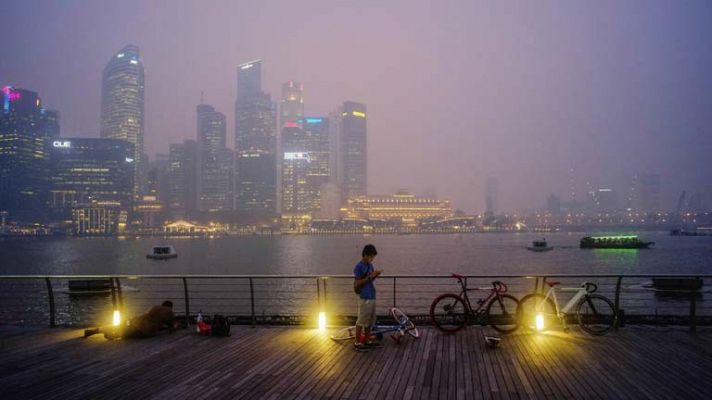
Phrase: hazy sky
{"type": "Point", "coordinates": [456, 90]}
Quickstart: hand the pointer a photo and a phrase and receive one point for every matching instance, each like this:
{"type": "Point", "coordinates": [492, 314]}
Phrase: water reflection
{"type": "Point", "coordinates": [307, 255]}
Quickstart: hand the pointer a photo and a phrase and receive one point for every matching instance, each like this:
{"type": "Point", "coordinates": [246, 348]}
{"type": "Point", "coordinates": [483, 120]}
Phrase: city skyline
{"type": "Point", "coordinates": [616, 91]}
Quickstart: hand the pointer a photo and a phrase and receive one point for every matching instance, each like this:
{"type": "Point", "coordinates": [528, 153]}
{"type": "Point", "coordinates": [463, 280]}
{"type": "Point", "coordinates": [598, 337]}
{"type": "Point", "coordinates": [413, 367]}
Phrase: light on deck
{"type": "Point", "coordinates": [539, 322]}
{"type": "Point", "coordinates": [322, 320]}
{"type": "Point", "coordinates": [117, 318]}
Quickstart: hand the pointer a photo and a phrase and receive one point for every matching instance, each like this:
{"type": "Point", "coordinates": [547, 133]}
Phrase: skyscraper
{"type": "Point", "coordinates": [122, 104]}
{"type": "Point", "coordinates": [90, 172]}
{"type": "Point", "coordinates": [305, 164]}
{"type": "Point", "coordinates": [255, 146]}
{"type": "Point", "coordinates": [25, 132]}
{"type": "Point", "coordinates": [291, 107]}
{"type": "Point", "coordinates": [353, 151]}
{"type": "Point", "coordinates": [316, 142]}
{"type": "Point", "coordinates": [214, 165]}
{"type": "Point", "coordinates": [182, 178]}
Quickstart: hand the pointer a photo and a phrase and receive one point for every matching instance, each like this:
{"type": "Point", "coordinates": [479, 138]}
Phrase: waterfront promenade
{"type": "Point", "coordinates": [295, 362]}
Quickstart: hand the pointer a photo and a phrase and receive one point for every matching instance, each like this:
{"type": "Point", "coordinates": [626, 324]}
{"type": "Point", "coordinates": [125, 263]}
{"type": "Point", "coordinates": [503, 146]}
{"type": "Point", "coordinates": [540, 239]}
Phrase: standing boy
{"type": "Point", "coordinates": [364, 274]}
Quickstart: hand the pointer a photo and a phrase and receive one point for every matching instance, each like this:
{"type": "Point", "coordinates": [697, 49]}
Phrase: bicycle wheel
{"type": "Point", "coordinates": [532, 305]}
{"type": "Point", "coordinates": [344, 334]}
{"type": "Point", "coordinates": [448, 313]}
{"type": "Point", "coordinates": [502, 313]}
{"type": "Point", "coordinates": [596, 314]}
{"type": "Point", "coordinates": [407, 324]}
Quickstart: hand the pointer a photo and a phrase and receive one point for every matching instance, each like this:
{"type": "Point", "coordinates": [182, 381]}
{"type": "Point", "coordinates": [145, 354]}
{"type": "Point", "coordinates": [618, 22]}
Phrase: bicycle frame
{"type": "Point", "coordinates": [551, 293]}
{"type": "Point", "coordinates": [402, 327]}
{"type": "Point", "coordinates": [481, 303]}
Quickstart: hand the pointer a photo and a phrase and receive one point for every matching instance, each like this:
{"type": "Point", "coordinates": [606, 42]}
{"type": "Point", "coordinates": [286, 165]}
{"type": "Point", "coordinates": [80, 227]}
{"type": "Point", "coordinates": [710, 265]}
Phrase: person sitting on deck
{"type": "Point", "coordinates": [158, 318]}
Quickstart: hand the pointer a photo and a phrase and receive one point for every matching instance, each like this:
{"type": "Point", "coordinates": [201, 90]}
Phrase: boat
{"type": "Point", "coordinates": [701, 231]}
{"type": "Point", "coordinates": [678, 284]}
{"type": "Point", "coordinates": [162, 252]}
{"type": "Point", "coordinates": [93, 287]}
{"type": "Point", "coordinates": [540, 245]}
{"type": "Point", "coordinates": [614, 242]}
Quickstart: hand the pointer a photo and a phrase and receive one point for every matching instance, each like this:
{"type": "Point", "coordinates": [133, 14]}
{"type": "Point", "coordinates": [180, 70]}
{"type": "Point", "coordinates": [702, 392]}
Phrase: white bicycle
{"type": "Point", "coordinates": [402, 327]}
{"type": "Point", "coordinates": [595, 313]}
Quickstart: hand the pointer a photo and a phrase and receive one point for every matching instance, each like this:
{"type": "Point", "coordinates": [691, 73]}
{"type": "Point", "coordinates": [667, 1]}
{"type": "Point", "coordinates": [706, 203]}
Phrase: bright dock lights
{"type": "Point", "coordinates": [539, 322]}
{"type": "Point", "coordinates": [116, 320]}
{"type": "Point", "coordinates": [322, 320]}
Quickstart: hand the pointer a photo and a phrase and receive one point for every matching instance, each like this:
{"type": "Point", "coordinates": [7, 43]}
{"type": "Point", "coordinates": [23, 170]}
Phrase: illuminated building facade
{"type": "Point", "coordinates": [92, 173]}
{"type": "Point", "coordinates": [214, 161]}
{"type": "Point", "coordinates": [291, 106]}
{"type": "Point", "coordinates": [26, 129]}
{"type": "Point", "coordinates": [255, 146]}
{"type": "Point", "coordinates": [98, 220]}
{"type": "Point", "coordinates": [316, 143]}
{"type": "Point", "coordinates": [352, 154]}
{"type": "Point", "coordinates": [305, 164]}
{"type": "Point", "coordinates": [122, 104]}
{"type": "Point", "coordinates": [403, 207]}
{"type": "Point", "coordinates": [182, 178]}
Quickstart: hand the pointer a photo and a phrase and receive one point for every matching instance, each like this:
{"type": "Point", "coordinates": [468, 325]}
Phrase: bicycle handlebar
{"type": "Point", "coordinates": [499, 286]}
{"type": "Point", "coordinates": [590, 287]}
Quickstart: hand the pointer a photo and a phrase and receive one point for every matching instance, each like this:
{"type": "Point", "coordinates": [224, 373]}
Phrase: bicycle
{"type": "Point", "coordinates": [595, 313]}
{"type": "Point", "coordinates": [451, 312]}
{"type": "Point", "coordinates": [402, 327]}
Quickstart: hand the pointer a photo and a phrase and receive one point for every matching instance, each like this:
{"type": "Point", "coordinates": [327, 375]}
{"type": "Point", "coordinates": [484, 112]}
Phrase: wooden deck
{"type": "Point", "coordinates": [300, 363]}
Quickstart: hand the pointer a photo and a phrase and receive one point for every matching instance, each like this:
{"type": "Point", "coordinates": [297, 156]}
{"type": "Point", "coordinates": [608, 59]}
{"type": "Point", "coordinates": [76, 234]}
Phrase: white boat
{"type": "Point", "coordinates": [162, 252]}
{"type": "Point", "coordinates": [540, 245]}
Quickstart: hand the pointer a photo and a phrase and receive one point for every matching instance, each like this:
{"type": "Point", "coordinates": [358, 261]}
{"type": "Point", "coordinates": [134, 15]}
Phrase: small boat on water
{"type": "Point", "coordinates": [540, 245]}
{"type": "Point", "coordinates": [614, 242]}
{"type": "Point", "coordinates": [93, 287]}
{"type": "Point", "coordinates": [700, 231]}
{"type": "Point", "coordinates": [162, 252]}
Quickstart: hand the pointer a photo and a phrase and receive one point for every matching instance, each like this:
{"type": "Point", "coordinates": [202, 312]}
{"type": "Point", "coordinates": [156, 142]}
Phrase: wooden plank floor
{"type": "Point", "coordinates": [301, 363]}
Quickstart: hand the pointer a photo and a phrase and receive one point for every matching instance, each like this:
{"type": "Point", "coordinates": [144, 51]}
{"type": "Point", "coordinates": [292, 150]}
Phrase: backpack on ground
{"type": "Point", "coordinates": [220, 326]}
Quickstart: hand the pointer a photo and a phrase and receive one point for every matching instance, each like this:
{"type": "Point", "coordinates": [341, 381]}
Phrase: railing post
{"type": "Point", "coordinates": [325, 297]}
{"type": "Point", "coordinates": [394, 291]}
{"type": "Point", "coordinates": [113, 294]}
{"type": "Point", "coordinates": [617, 303]}
{"type": "Point", "coordinates": [543, 282]}
{"type": "Point", "coordinates": [693, 310]}
{"type": "Point", "coordinates": [186, 300]}
{"type": "Point", "coordinates": [318, 295]}
{"type": "Point", "coordinates": [120, 295]}
{"type": "Point", "coordinates": [52, 310]}
{"type": "Point", "coordinates": [252, 302]}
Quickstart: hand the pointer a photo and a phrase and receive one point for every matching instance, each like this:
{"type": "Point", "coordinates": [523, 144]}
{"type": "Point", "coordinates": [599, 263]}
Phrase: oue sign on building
{"type": "Point", "coordinates": [63, 144]}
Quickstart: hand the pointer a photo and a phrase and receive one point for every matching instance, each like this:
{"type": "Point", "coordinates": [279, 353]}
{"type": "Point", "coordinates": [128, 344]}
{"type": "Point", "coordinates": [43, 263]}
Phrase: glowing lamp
{"type": "Point", "coordinates": [322, 320]}
{"type": "Point", "coordinates": [539, 322]}
{"type": "Point", "coordinates": [117, 318]}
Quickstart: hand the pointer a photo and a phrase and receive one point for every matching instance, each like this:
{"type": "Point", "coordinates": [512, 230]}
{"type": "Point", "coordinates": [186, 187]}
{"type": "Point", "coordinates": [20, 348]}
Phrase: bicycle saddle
{"type": "Point", "coordinates": [552, 284]}
{"type": "Point", "coordinates": [458, 276]}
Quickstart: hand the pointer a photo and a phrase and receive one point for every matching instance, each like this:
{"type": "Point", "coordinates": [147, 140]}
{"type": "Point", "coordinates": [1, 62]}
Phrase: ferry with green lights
{"type": "Point", "coordinates": [614, 242]}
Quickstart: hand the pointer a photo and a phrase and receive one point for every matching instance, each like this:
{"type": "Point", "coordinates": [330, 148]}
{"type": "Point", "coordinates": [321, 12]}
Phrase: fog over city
{"type": "Point", "coordinates": [457, 91]}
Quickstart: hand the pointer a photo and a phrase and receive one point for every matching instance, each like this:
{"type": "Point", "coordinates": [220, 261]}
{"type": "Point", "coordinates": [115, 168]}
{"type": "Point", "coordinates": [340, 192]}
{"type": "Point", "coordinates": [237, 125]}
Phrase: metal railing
{"type": "Point", "coordinates": [269, 299]}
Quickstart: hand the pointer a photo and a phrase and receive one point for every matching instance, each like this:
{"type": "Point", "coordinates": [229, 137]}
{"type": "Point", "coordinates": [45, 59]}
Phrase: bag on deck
{"type": "Point", "coordinates": [220, 326]}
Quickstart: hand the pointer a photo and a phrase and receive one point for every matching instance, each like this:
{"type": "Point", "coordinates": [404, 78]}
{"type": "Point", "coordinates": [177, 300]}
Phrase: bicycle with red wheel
{"type": "Point", "coordinates": [451, 312]}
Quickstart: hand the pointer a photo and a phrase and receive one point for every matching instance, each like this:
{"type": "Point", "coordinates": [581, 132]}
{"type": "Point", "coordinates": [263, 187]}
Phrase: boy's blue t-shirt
{"type": "Point", "coordinates": [368, 291]}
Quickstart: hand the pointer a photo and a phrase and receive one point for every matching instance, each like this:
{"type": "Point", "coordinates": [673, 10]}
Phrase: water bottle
{"type": "Point", "coordinates": [198, 320]}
